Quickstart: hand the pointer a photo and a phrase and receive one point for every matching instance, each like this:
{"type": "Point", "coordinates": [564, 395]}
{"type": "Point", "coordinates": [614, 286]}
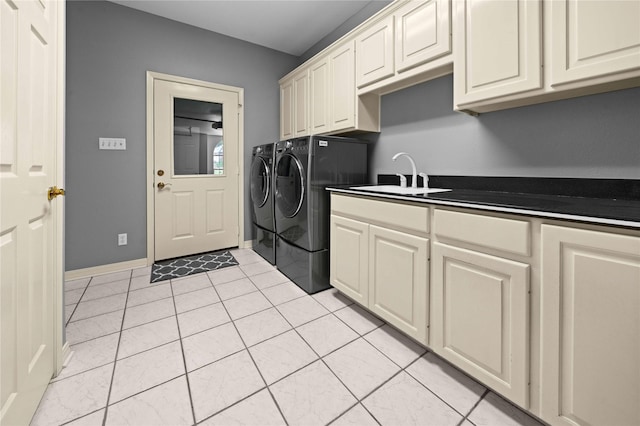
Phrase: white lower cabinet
{"type": "Point", "coordinates": [590, 327]}
{"type": "Point", "coordinates": [480, 317]}
{"type": "Point", "coordinates": [349, 257]}
{"type": "Point", "coordinates": [377, 262]}
{"type": "Point", "coordinates": [398, 278]}
{"type": "Point", "coordinates": [545, 314]}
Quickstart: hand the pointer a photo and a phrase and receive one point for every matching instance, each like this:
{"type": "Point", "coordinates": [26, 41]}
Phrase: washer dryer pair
{"type": "Point", "coordinates": [262, 200]}
{"type": "Point", "coordinates": [304, 168]}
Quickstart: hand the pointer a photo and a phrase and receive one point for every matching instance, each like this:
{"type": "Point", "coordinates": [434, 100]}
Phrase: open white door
{"type": "Point", "coordinates": [30, 244]}
{"type": "Point", "coordinates": [196, 169]}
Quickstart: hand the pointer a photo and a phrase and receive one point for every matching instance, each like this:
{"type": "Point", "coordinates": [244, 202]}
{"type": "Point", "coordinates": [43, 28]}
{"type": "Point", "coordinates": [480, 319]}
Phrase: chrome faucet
{"type": "Point", "coordinates": [414, 178]}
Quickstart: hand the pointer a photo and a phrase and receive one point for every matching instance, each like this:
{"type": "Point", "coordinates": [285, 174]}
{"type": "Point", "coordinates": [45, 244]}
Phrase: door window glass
{"type": "Point", "coordinates": [198, 148]}
{"type": "Point", "coordinates": [289, 185]}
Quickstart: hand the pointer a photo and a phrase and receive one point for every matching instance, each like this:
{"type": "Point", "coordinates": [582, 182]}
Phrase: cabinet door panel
{"type": "Point", "coordinates": [480, 317]}
{"type": "Point", "coordinates": [497, 48]}
{"type": "Point", "coordinates": [398, 265]}
{"type": "Point", "coordinates": [342, 87]}
{"type": "Point", "coordinates": [349, 255]}
{"type": "Point", "coordinates": [594, 38]}
{"type": "Point", "coordinates": [591, 327]}
{"type": "Point", "coordinates": [422, 32]}
{"type": "Point", "coordinates": [319, 96]}
{"type": "Point", "coordinates": [286, 109]}
{"type": "Point", "coordinates": [374, 53]}
{"type": "Point", "coordinates": [301, 96]}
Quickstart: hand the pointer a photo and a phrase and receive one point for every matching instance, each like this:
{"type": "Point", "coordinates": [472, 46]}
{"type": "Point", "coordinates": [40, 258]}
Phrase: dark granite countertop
{"type": "Point", "coordinates": [499, 194]}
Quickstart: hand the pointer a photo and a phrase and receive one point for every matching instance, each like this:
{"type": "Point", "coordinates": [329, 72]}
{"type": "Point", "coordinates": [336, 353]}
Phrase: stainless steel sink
{"type": "Point", "coordinates": [395, 189]}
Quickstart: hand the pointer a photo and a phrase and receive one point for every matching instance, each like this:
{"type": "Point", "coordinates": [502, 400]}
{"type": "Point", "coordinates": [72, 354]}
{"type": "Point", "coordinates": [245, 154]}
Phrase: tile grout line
{"type": "Point", "coordinates": [135, 306]}
{"type": "Point", "coordinates": [359, 401]}
{"type": "Point", "coordinates": [119, 339]}
{"type": "Point", "coordinates": [363, 336]}
{"type": "Point", "coordinates": [426, 351]}
{"type": "Point", "coordinates": [246, 348]}
{"type": "Point", "coordinates": [184, 358]}
{"type": "Point", "coordinates": [370, 413]}
{"type": "Point", "coordinates": [121, 359]}
{"type": "Point", "coordinates": [454, 367]}
{"type": "Point", "coordinates": [482, 397]}
{"type": "Point", "coordinates": [360, 336]}
{"type": "Point", "coordinates": [81, 417]}
{"type": "Point", "coordinates": [115, 360]}
{"type": "Point", "coordinates": [320, 358]}
{"type": "Point", "coordinates": [139, 289]}
{"type": "Point", "coordinates": [76, 305]}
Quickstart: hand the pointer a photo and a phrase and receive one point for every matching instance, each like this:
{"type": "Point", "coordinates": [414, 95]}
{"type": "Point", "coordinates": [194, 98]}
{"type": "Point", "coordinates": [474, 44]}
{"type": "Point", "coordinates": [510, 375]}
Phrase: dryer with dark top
{"type": "Point", "coordinates": [262, 202]}
{"type": "Point", "coordinates": [304, 168]}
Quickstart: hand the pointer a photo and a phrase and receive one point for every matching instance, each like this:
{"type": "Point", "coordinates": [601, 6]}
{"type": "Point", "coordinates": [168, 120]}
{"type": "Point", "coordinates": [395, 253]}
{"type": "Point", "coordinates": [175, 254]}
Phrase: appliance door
{"type": "Point", "coordinates": [290, 193]}
{"type": "Point", "coordinates": [260, 182]}
{"type": "Point", "coordinates": [261, 193]}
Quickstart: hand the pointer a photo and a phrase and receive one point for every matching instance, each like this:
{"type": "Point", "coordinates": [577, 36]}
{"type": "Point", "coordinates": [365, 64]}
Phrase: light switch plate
{"type": "Point", "coordinates": [113, 143]}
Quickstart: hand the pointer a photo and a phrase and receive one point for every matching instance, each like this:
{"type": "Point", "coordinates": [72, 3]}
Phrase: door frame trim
{"type": "Point", "coordinates": [61, 349]}
{"type": "Point", "coordinates": [152, 76]}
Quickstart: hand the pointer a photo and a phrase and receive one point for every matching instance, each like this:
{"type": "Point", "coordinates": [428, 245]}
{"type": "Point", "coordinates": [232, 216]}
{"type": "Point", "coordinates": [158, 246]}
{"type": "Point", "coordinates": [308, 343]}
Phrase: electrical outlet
{"type": "Point", "coordinates": [113, 143]}
{"type": "Point", "coordinates": [122, 239]}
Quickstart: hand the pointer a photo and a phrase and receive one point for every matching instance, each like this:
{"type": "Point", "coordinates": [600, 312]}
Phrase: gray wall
{"type": "Point", "coordinates": [109, 50]}
{"type": "Point", "coordinates": [594, 136]}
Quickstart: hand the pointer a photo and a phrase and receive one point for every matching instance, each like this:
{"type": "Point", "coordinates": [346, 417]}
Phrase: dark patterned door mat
{"type": "Point", "coordinates": [189, 265]}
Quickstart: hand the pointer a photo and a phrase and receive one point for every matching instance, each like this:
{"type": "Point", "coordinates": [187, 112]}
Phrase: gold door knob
{"type": "Point", "coordinates": [53, 192]}
{"type": "Point", "coordinates": [161, 185]}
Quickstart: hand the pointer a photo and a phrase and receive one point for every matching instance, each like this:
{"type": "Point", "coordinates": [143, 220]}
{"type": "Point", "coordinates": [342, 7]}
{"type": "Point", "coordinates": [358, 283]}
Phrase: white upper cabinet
{"type": "Point", "coordinates": [301, 103]}
{"type": "Point", "coordinates": [319, 96]}
{"type": "Point", "coordinates": [423, 32]}
{"type": "Point", "coordinates": [286, 109]}
{"type": "Point", "coordinates": [294, 105]}
{"type": "Point", "coordinates": [594, 39]}
{"type": "Point", "coordinates": [507, 54]}
{"type": "Point", "coordinates": [374, 53]}
{"type": "Point", "coordinates": [408, 43]}
{"type": "Point", "coordinates": [497, 49]}
{"type": "Point", "coordinates": [342, 97]}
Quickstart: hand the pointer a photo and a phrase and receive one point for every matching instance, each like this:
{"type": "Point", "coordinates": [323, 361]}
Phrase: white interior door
{"type": "Point", "coordinates": [29, 243]}
{"type": "Point", "coordinates": [196, 168]}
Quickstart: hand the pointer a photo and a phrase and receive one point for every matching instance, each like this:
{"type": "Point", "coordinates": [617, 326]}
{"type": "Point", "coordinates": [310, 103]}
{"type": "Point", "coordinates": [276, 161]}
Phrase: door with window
{"type": "Point", "coordinates": [196, 168]}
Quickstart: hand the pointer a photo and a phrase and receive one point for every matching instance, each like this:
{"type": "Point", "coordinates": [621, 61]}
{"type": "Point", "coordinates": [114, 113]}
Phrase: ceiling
{"type": "Point", "coordinates": [291, 26]}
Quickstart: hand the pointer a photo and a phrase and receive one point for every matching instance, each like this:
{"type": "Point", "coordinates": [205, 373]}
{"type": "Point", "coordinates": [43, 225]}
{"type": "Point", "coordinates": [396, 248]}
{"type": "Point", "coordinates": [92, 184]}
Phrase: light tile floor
{"type": "Point", "coordinates": [245, 346]}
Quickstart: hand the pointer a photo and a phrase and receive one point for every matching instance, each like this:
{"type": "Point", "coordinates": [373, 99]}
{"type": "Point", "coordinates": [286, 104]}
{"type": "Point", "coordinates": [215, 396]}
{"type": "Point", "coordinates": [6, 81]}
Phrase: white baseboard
{"type": "Point", "coordinates": [67, 353]}
{"type": "Point", "coordinates": [65, 356]}
{"type": "Point", "coordinates": [247, 244]}
{"type": "Point", "coordinates": [104, 269]}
